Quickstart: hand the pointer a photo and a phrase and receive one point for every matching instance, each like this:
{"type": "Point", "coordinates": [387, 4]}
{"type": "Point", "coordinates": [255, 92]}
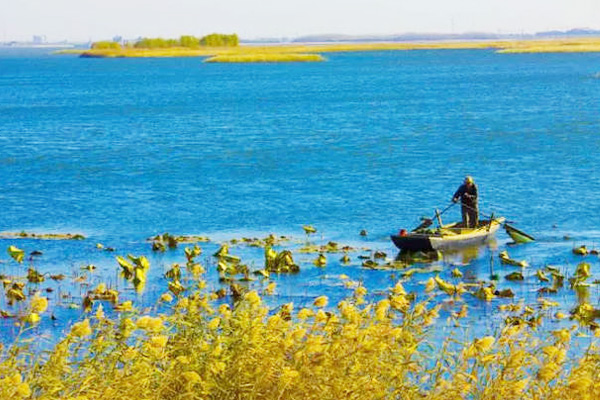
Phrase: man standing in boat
{"type": "Point", "coordinates": [467, 192]}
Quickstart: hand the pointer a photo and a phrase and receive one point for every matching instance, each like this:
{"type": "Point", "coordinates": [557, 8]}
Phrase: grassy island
{"type": "Point", "coordinates": [226, 48]}
{"type": "Point", "coordinates": [554, 46]}
{"type": "Point", "coordinates": [265, 58]}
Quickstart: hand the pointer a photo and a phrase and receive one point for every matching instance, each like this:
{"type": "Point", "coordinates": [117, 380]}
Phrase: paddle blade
{"type": "Point", "coordinates": [517, 235]}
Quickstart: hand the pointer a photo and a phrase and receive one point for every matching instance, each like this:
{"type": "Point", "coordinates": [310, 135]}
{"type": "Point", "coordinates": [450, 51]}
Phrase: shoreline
{"type": "Point", "coordinates": [251, 51]}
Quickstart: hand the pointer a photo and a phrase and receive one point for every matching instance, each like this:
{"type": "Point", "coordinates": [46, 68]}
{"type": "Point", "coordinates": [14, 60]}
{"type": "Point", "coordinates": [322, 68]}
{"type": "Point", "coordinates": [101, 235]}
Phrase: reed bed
{"type": "Point", "coordinates": [554, 46]}
{"type": "Point", "coordinates": [265, 58]}
{"type": "Point", "coordinates": [242, 342]}
{"type": "Point", "coordinates": [206, 348]}
{"type": "Point", "coordinates": [252, 52]}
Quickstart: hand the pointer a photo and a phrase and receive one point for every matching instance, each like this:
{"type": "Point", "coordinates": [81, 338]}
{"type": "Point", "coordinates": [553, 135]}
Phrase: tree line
{"type": "Point", "coordinates": [212, 40]}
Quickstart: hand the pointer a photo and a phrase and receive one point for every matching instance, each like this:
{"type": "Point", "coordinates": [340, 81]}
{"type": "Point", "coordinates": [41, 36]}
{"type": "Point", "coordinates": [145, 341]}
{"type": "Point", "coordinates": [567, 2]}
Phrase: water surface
{"type": "Point", "coordinates": [122, 149]}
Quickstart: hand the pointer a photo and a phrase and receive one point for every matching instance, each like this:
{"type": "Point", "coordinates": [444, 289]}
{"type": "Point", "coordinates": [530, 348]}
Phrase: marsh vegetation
{"type": "Point", "coordinates": [227, 47]}
{"type": "Point", "coordinates": [239, 340]}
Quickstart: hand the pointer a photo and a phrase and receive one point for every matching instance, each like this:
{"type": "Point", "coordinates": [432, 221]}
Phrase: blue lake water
{"type": "Point", "coordinates": [122, 149]}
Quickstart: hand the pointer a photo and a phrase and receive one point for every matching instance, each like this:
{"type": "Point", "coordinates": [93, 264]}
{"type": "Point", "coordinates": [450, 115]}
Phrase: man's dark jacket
{"type": "Point", "coordinates": [468, 195]}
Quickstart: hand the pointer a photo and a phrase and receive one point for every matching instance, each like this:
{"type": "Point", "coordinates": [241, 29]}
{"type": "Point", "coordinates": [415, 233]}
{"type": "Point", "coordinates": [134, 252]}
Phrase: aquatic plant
{"type": "Point", "coordinates": [281, 262]}
{"type": "Point", "coordinates": [505, 259]}
{"type": "Point", "coordinates": [16, 253]}
{"type": "Point", "coordinates": [228, 342]}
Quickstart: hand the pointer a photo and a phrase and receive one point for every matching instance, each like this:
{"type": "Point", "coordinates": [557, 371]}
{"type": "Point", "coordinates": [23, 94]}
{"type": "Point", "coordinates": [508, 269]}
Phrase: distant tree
{"type": "Point", "coordinates": [156, 43]}
{"type": "Point", "coordinates": [189, 41]}
{"type": "Point", "coordinates": [212, 40]}
{"type": "Point", "coordinates": [106, 45]}
{"type": "Point", "coordinates": [220, 40]}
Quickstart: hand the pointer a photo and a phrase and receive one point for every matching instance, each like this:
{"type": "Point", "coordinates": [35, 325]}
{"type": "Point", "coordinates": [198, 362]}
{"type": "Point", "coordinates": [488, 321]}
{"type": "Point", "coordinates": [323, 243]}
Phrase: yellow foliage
{"type": "Point", "coordinates": [208, 349]}
{"type": "Point", "coordinates": [278, 51]}
{"type": "Point", "coordinates": [81, 329]}
{"type": "Point", "coordinates": [150, 324]}
{"type": "Point", "coordinates": [321, 301]}
{"type": "Point", "coordinates": [39, 304]}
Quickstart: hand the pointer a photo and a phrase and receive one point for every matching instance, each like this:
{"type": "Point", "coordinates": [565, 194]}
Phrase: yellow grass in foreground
{"type": "Point", "coordinates": [506, 46]}
{"type": "Point", "coordinates": [265, 58]}
{"type": "Point", "coordinates": [355, 350]}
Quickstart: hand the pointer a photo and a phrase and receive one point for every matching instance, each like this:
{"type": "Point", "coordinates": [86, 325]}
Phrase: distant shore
{"type": "Point", "coordinates": [250, 53]}
{"type": "Point", "coordinates": [265, 58]}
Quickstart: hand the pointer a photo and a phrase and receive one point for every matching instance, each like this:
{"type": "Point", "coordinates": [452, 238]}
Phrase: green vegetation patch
{"type": "Point", "coordinates": [212, 40]}
{"type": "Point", "coordinates": [265, 58]}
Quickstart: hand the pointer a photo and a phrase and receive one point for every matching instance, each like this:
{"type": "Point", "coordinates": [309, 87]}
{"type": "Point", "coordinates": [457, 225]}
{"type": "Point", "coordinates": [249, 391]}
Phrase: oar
{"type": "Point", "coordinates": [428, 221]}
{"type": "Point", "coordinates": [516, 235]}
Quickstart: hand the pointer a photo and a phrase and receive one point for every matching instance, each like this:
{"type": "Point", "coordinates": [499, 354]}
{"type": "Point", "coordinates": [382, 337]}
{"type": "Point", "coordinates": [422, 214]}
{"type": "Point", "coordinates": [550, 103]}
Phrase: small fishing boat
{"type": "Point", "coordinates": [447, 237]}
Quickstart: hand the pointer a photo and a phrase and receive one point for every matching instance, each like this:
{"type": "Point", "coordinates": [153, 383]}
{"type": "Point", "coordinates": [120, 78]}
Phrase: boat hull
{"type": "Point", "coordinates": [438, 241]}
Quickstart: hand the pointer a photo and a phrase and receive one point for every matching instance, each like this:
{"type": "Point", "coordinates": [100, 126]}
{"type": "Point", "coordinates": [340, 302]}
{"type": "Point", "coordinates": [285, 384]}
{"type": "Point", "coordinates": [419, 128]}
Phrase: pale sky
{"type": "Point", "coordinates": [82, 20]}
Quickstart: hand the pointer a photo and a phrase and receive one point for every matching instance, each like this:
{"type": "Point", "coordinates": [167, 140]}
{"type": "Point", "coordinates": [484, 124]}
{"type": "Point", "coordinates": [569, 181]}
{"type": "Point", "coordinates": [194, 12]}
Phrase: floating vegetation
{"type": "Point", "coordinates": [202, 341]}
{"type": "Point", "coordinates": [449, 288]}
{"type": "Point", "coordinates": [41, 236]}
{"type": "Point", "coordinates": [16, 253]}
{"type": "Point", "coordinates": [309, 229]}
{"type": "Point", "coordinates": [515, 276]}
{"type": "Point", "coordinates": [134, 269]}
{"type": "Point", "coordinates": [281, 262]}
{"type": "Point", "coordinates": [34, 276]}
{"type": "Point", "coordinates": [486, 293]}
{"type": "Point", "coordinates": [506, 293]}
{"type": "Point", "coordinates": [586, 314]}
{"type": "Point", "coordinates": [103, 293]}
{"type": "Point", "coordinates": [505, 259]}
{"type": "Point", "coordinates": [321, 260]}
{"type": "Point", "coordinates": [14, 292]}
{"type": "Point", "coordinates": [223, 251]}
{"type": "Point", "coordinates": [379, 254]}
{"type": "Point", "coordinates": [330, 247]}
{"type": "Point", "coordinates": [270, 240]}
{"type": "Point", "coordinates": [581, 250]}
{"type": "Point", "coordinates": [162, 242]}
{"type": "Point", "coordinates": [542, 276]}
{"type": "Point", "coordinates": [100, 246]}
{"type": "Point", "coordinates": [582, 273]}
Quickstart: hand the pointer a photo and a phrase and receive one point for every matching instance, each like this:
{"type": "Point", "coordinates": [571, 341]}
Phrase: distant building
{"type": "Point", "coordinates": [118, 39]}
{"type": "Point", "coordinates": [39, 39]}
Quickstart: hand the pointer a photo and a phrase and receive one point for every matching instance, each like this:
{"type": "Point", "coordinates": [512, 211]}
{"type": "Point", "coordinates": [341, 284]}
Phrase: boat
{"type": "Point", "coordinates": [447, 237]}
